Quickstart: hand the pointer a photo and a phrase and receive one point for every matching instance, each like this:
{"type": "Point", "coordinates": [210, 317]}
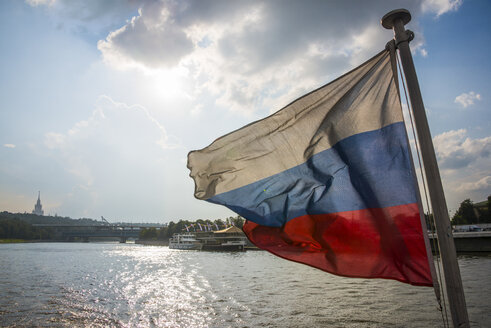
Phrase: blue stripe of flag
{"type": "Point", "coordinates": [366, 170]}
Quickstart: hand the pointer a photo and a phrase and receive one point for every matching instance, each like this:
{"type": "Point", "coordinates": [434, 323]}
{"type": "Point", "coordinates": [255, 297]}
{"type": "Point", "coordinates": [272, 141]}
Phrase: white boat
{"type": "Point", "coordinates": [184, 241]}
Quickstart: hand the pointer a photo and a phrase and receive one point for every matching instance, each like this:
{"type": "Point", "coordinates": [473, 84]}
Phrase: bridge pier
{"type": "Point", "coordinates": [122, 240]}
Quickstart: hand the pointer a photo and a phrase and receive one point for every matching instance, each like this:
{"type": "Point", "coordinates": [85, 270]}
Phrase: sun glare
{"type": "Point", "coordinates": [166, 84]}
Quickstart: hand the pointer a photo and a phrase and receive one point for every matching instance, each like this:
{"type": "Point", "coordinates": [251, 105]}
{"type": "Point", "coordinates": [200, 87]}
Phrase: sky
{"type": "Point", "coordinates": [101, 101]}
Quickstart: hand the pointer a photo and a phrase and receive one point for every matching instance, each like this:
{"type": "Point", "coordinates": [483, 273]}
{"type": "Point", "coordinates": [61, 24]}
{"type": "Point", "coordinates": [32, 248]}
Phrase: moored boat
{"type": "Point", "coordinates": [228, 239]}
{"type": "Point", "coordinates": [229, 245]}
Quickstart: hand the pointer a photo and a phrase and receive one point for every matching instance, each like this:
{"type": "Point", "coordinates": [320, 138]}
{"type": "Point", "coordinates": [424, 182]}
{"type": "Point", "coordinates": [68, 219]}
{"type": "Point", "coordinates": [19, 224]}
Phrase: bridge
{"type": "Point", "coordinates": [68, 232]}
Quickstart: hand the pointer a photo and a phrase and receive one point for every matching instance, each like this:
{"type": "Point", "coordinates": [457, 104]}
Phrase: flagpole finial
{"type": "Point", "coordinates": [389, 18]}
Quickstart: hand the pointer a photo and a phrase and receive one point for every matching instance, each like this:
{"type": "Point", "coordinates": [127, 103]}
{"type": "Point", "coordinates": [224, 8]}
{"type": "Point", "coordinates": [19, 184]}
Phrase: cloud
{"type": "Point", "coordinates": [87, 17]}
{"type": "Point", "coordinates": [111, 157]}
{"type": "Point", "coordinates": [455, 150]}
{"type": "Point", "coordinates": [114, 131]}
{"type": "Point", "coordinates": [482, 184]}
{"type": "Point", "coordinates": [465, 164]}
{"type": "Point", "coordinates": [440, 7]}
{"type": "Point", "coordinates": [153, 31]}
{"type": "Point", "coordinates": [250, 56]}
{"type": "Point", "coordinates": [36, 3]}
{"type": "Point", "coordinates": [258, 61]}
{"type": "Point", "coordinates": [9, 145]}
{"type": "Point", "coordinates": [467, 99]}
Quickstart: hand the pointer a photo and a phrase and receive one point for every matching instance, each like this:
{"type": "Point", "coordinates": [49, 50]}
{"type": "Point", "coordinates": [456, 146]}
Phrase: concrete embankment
{"type": "Point", "coordinates": [152, 242]}
{"type": "Point", "coordinates": [469, 242]}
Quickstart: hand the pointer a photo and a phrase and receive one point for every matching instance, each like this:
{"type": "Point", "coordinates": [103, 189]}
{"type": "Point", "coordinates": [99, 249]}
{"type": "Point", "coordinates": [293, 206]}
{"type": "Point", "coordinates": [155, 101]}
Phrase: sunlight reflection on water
{"type": "Point", "coordinates": [115, 285]}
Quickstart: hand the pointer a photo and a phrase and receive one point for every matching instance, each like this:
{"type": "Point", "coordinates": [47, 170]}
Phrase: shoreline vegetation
{"type": "Point", "coordinates": [21, 227]}
{"type": "Point", "coordinates": [12, 241]}
{"type": "Point", "coordinates": [164, 233]}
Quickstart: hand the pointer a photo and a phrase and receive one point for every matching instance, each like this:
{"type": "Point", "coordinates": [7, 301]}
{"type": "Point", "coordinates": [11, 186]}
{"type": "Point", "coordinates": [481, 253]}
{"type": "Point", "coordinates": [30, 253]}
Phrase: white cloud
{"type": "Point", "coordinates": [112, 156]}
{"type": "Point", "coordinates": [479, 185]}
{"type": "Point", "coordinates": [250, 56]}
{"type": "Point", "coordinates": [465, 164]}
{"type": "Point", "coordinates": [440, 7]}
{"type": "Point", "coordinates": [455, 150]}
{"type": "Point", "coordinates": [9, 145]}
{"type": "Point", "coordinates": [126, 121]}
{"type": "Point", "coordinates": [467, 99]}
{"type": "Point", "coordinates": [250, 62]}
{"type": "Point", "coordinates": [36, 3]}
{"type": "Point", "coordinates": [113, 128]}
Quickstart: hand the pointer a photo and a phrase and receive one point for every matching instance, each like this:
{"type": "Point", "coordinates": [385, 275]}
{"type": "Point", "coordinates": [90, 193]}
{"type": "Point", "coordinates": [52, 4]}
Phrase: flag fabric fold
{"type": "Point", "coordinates": [326, 181]}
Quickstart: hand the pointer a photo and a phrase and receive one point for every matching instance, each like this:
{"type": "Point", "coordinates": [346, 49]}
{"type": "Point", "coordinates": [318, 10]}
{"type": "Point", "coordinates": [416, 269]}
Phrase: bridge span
{"type": "Point", "coordinates": [68, 232]}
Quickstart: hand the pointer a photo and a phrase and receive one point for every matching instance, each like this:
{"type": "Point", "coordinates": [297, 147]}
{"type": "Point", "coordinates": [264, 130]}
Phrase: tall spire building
{"type": "Point", "coordinates": [38, 208]}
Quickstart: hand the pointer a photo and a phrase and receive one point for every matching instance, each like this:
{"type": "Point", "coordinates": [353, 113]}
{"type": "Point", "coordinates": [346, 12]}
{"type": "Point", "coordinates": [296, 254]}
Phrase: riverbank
{"type": "Point", "coordinates": [152, 242]}
{"type": "Point", "coordinates": [13, 241]}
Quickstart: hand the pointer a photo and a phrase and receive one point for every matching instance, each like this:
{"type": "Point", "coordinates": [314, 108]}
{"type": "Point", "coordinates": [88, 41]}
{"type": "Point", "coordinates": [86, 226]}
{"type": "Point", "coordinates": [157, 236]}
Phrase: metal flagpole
{"type": "Point", "coordinates": [396, 20]}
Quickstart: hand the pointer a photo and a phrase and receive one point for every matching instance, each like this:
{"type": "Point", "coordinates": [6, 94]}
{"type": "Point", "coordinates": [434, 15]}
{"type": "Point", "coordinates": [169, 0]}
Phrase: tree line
{"type": "Point", "coordinates": [20, 225]}
{"type": "Point", "coordinates": [469, 213]}
{"type": "Point", "coordinates": [14, 228]}
{"type": "Point", "coordinates": [166, 232]}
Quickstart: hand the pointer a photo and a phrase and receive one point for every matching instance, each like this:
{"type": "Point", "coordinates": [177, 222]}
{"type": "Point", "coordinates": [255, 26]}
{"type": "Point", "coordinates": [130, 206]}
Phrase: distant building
{"type": "Point", "coordinates": [38, 208]}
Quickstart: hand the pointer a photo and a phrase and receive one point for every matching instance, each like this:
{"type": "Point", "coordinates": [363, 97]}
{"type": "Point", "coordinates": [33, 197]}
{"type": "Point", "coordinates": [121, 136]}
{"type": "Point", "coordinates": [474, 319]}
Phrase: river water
{"type": "Point", "coordinates": [128, 285]}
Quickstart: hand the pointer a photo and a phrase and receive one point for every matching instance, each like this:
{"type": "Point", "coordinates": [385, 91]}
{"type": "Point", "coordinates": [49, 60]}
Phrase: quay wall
{"type": "Point", "coordinates": [469, 242]}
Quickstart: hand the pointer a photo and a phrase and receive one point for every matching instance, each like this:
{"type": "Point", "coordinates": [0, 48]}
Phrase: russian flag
{"type": "Point", "coordinates": [326, 181]}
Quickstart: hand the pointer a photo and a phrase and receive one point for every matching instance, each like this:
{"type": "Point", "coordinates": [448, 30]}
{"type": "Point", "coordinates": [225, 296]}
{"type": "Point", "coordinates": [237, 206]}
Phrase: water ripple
{"type": "Point", "coordinates": [113, 285]}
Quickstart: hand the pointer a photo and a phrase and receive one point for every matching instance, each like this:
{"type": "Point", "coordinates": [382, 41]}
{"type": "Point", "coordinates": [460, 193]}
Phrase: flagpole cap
{"type": "Point", "coordinates": [389, 18]}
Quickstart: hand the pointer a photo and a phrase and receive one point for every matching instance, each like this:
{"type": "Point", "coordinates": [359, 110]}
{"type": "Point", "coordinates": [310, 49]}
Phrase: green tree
{"type": "Point", "coordinates": [18, 229]}
{"type": "Point", "coordinates": [219, 223]}
{"type": "Point", "coordinates": [238, 221]}
{"type": "Point", "coordinates": [487, 214]}
{"type": "Point", "coordinates": [465, 214]}
{"type": "Point", "coordinates": [148, 234]}
{"type": "Point", "coordinates": [181, 226]}
{"type": "Point", "coordinates": [163, 233]}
